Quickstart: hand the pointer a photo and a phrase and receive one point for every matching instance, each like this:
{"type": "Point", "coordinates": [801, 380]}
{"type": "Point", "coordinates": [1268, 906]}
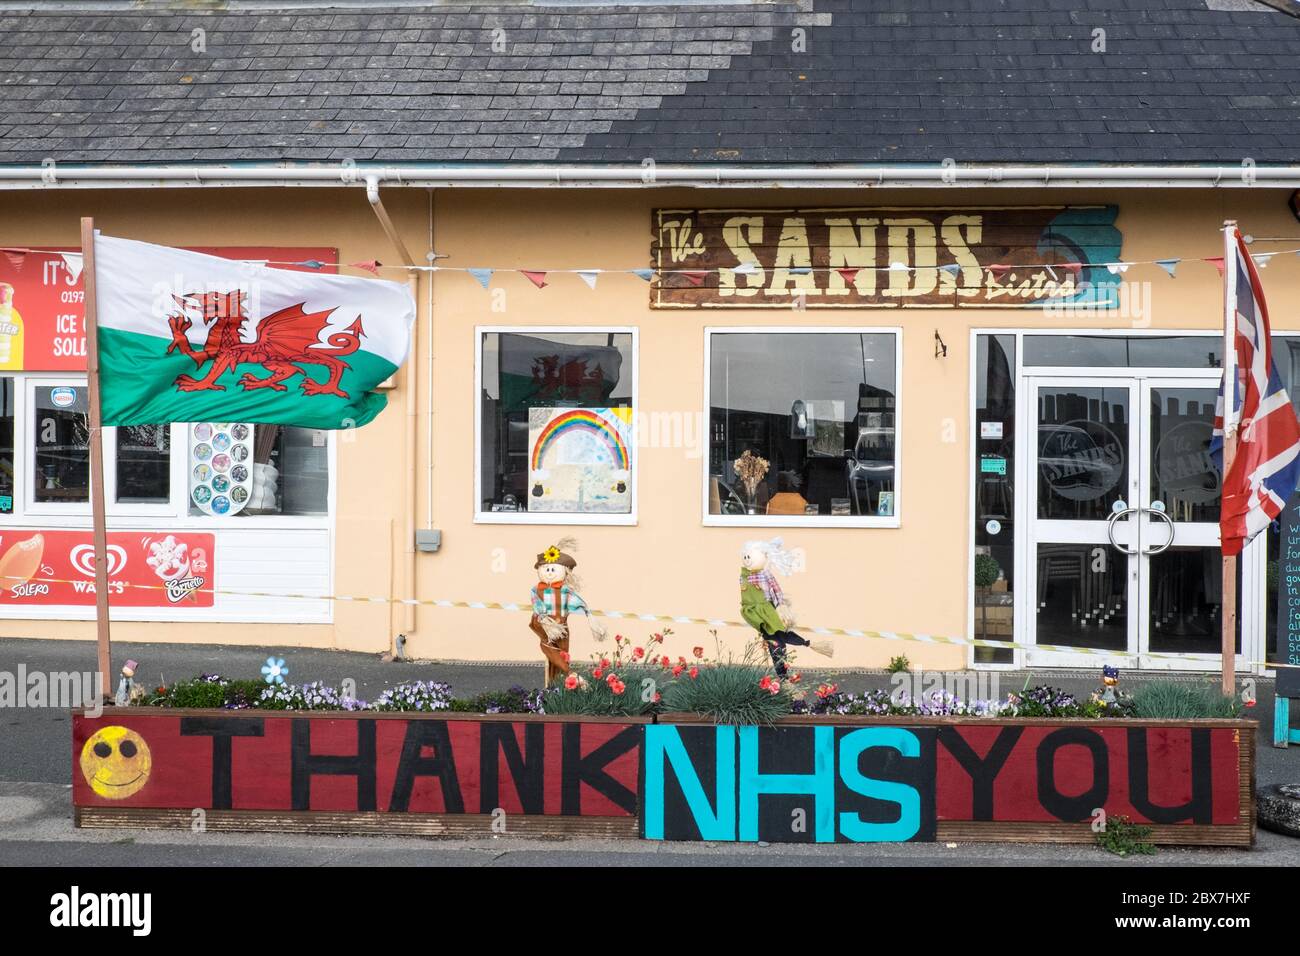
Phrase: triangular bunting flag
{"type": "Point", "coordinates": [951, 268]}
{"type": "Point", "coordinates": [746, 268]}
{"type": "Point", "coordinates": [848, 274]}
{"type": "Point", "coordinates": [646, 274]}
{"type": "Point", "coordinates": [898, 267]}
{"type": "Point", "coordinates": [1115, 268]}
{"type": "Point", "coordinates": [800, 270]}
{"type": "Point", "coordinates": [589, 276]}
{"type": "Point", "coordinates": [999, 268]}
{"type": "Point", "coordinates": [695, 276]}
{"type": "Point", "coordinates": [1073, 267]}
{"type": "Point", "coordinates": [72, 261]}
{"type": "Point", "coordinates": [536, 278]}
{"type": "Point", "coordinates": [1169, 265]}
{"type": "Point", "coordinates": [1217, 262]}
{"type": "Point", "coordinates": [1261, 258]}
{"type": "Point", "coordinates": [484, 276]}
{"type": "Point", "coordinates": [311, 264]}
{"type": "Point", "coordinates": [371, 266]}
{"type": "Point", "coordinates": [16, 258]}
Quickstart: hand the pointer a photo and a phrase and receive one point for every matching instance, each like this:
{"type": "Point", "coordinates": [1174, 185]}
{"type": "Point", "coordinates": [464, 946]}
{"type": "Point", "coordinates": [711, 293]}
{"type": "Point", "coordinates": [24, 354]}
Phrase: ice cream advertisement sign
{"type": "Point", "coordinates": [145, 569]}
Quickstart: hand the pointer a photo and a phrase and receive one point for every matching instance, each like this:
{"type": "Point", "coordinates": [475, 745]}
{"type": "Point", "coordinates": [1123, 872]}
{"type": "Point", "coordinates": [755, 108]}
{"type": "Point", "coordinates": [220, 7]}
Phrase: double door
{"type": "Point", "coordinates": [1121, 559]}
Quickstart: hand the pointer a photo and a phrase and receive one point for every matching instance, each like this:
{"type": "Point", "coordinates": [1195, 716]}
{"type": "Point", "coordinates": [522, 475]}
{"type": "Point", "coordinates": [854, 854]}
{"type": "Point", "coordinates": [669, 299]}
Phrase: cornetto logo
{"type": "Point", "coordinates": [179, 590]}
{"type": "Point", "coordinates": [1080, 460]}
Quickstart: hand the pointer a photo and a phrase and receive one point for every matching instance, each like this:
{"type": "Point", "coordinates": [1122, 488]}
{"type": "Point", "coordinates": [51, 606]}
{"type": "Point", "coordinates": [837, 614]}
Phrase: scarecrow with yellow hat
{"type": "Point", "coordinates": [555, 597]}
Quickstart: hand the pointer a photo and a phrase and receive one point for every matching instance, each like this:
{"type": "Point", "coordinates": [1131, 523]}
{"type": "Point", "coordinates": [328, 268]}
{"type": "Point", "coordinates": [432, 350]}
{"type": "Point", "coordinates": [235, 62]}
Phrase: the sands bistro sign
{"type": "Point", "coordinates": [995, 257]}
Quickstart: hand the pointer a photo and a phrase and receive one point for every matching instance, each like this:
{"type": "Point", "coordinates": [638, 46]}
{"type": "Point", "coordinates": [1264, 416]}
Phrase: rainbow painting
{"type": "Point", "coordinates": [588, 420]}
{"type": "Point", "coordinates": [580, 462]}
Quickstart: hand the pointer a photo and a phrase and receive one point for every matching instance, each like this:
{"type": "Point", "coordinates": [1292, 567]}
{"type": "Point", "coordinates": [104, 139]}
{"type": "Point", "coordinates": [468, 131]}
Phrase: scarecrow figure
{"type": "Point", "coordinates": [555, 598]}
{"type": "Point", "coordinates": [127, 691]}
{"type": "Point", "coordinates": [765, 607]}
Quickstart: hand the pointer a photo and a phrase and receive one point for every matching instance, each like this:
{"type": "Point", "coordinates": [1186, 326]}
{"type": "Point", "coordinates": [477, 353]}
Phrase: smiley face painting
{"type": "Point", "coordinates": [116, 762]}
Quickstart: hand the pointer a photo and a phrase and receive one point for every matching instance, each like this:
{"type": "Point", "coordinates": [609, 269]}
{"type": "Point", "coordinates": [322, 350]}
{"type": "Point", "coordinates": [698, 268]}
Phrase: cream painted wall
{"type": "Point", "coordinates": [912, 578]}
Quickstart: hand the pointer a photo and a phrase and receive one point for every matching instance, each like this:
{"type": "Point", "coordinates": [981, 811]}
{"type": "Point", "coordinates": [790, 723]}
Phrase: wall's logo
{"type": "Point", "coordinates": [83, 559]}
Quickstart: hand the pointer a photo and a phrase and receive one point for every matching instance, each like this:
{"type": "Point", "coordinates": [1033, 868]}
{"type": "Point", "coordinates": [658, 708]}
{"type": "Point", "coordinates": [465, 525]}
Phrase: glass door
{"type": "Point", "coordinates": [1179, 562]}
{"type": "Point", "coordinates": [1082, 543]}
{"type": "Point", "coordinates": [1122, 557]}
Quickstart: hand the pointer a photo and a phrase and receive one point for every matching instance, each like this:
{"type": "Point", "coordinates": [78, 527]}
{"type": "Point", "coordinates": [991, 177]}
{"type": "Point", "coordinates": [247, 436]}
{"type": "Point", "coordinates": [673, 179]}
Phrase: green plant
{"type": "Point", "coordinates": [1181, 699]}
{"type": "Point", "coordinates": [987, 571]}
{"type": "Point", "coordinates": [730, 693]}
{"type": "Point", "coordinates": [1124, 838]}
{"type": "Point", "coordinates": [209, 690]}
{"type": "Point", "coordinates": [899, 664]}
{"type": "Point", "coordinates": [627, 695]}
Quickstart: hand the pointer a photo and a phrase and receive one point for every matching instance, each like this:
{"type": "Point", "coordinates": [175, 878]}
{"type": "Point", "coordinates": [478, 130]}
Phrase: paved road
{"type": "Point", "coordinates": [36, 828]}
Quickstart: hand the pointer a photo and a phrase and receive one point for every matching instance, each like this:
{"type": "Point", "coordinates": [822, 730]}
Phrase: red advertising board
{"type": "Point", "coordinates": [42, 302]}
{"type": "Point", "coordinates": [56, 567]}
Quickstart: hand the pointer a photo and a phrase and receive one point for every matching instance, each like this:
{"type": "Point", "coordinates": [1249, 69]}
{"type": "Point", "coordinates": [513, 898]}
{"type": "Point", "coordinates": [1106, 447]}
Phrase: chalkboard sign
{"type": "Point", "coordinates": [1288, 601]}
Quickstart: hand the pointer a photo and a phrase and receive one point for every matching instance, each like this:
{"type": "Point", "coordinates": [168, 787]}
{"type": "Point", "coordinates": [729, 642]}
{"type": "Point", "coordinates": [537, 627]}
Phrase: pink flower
{"type": "Point", "coordinates": [604, 662]}
{"type": "Point", "coordinates": [665, 661]}
{"type": "Point", "coordinates": [597, 672]}
{"type": "Point", "coordinates": [638, 652]}
{"type": "Point", "coordinates": [618, 687]}
{"type": "Point", "coordinates": [694, 672]}
{"type": "Point", "coordinates": [658, 697]}
{"type": "Point", "coordinates": [774, 687]}
{"type": "Point", "coordinates": [571, 682]}
{"type": "Point", "coordinates": [677, 669]}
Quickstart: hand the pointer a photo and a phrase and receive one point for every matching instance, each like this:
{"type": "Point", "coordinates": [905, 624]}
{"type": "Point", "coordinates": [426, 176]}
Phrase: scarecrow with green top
{"type": "Point", "coordinates": [764, 605]}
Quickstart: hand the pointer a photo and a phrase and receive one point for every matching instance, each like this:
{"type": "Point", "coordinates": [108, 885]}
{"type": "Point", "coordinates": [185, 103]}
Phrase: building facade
{"type": "Point", "coordinates": [978, 408]}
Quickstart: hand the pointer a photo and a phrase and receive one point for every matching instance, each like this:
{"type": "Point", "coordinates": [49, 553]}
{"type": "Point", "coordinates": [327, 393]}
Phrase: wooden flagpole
{"type": "Point", "coordinates": [96, 460]}
{"type": "Point", "coordinates": [1228, 648]}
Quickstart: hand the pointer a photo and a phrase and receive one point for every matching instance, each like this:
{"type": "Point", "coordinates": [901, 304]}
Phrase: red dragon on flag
{"type": "Point", "coordinates": [286, 340]}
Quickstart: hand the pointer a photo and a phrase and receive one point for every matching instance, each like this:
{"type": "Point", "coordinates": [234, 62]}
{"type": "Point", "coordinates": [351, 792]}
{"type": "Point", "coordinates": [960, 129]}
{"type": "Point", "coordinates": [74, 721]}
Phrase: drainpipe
{"type": "Point", "coordinates": [410, 390]}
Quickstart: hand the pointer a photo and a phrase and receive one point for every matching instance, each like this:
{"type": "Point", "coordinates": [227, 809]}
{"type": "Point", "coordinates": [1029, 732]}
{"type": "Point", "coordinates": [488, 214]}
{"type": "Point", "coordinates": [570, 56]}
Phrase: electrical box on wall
{"type": "Point", "coordinates": [430, 540]}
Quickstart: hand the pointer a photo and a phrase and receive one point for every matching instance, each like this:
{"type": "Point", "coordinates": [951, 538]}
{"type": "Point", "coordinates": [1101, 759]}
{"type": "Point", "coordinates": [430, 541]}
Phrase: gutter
{"type": "Point", "coordinates": [55, 176]}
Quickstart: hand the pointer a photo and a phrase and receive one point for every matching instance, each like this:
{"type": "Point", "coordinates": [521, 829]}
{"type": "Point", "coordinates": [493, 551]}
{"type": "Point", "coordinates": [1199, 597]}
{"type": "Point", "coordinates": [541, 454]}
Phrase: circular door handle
{"type": "Point", "coordinates": [1110, 529]}
{"type": "Point", "coordinates": [1170, 522]}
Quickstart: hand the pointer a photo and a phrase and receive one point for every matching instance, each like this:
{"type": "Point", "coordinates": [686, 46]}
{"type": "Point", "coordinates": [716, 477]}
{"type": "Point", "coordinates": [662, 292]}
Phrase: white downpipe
{"type": "Point", "coordinates": [54, 176]}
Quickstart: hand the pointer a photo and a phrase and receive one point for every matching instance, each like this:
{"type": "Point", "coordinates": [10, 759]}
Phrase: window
{"type": "Point", "coordinates": [61, 462]}
{"type": "Point", "coordinates": [6, 445]}
{"type": "Point", "coordinates": [143, 464]}
{"type": "Point", "coordinates": [802, 427]}
{"type": "Point", "coordinates": [238, 470]}
{"type": "Point", "coordinates": [555, 426]}
{"type": "Point", "coordinates": [994, 477]}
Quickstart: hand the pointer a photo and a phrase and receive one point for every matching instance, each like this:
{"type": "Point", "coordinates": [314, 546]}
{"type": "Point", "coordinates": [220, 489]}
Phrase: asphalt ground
{"type": "Point", "coordinates": [35, 788]}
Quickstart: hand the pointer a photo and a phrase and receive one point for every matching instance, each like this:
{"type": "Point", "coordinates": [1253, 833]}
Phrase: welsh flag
{"type": "Point", "coordinates": [185, 337]}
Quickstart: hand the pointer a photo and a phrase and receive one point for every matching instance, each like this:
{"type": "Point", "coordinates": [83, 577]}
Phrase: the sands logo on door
{"type": "Point", "coordinates": [83, 559]}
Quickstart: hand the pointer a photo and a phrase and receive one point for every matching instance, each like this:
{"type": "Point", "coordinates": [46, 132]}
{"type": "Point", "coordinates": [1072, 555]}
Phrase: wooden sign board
{"type": "Point", "coordinates": [885, 257]}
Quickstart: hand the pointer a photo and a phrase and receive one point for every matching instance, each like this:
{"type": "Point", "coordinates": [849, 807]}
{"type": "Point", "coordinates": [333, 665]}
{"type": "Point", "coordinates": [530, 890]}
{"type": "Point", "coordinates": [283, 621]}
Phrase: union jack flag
{"type": "Point", "coordinates": [1266, 465]}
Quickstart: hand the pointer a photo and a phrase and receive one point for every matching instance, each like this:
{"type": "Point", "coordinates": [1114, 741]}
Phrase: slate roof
{"type": "Point", "coordinates": [875, 81]}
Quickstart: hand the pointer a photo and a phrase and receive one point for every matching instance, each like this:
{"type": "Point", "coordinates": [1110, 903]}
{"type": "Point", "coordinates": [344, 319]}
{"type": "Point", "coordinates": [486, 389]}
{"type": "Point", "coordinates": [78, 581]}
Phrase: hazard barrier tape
{"type": "Point", "coordinates": [663, 619]}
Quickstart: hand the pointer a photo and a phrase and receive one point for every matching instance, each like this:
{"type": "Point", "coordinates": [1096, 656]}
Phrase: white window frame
{"type": "Point", "coordinates": [551, 517]}
{"type": "Point", "coordinates": [175, 513]}
{"type": "Point", "coordinates": [804, 521]}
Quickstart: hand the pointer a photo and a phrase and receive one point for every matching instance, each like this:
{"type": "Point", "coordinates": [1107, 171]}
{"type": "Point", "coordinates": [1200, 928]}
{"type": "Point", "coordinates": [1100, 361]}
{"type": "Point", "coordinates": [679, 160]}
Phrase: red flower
{"type": "Point", "coordinates": [677, 669]}
{"type": "Point", "coordinates": [571, 682]}
{"type": "Point", "coordinates": [697, 651]}
{"type": "Point", "coordinates": [597, 672]}
{"type": "Point", "coordinates": [664, 661]}
{"type": "Point", "coordinates": [658, 697]}
{"type": "Point", "coordinates": [618, 687]}
{"type": "Point", "coordinates": [638, 652]}
{"type": "Point", "coordinates": [604, 662]}
{"type": "Point", "coordinates": [766, 682]}
{"type": "Point", "coordinates": [694, 672]}
{"type": "Point", "coordinates": [795, 678]}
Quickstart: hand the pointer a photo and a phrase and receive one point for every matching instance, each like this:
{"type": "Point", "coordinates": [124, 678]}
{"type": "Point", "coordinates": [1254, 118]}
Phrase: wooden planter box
{"type": "Point", "coordinates": [808, 779]}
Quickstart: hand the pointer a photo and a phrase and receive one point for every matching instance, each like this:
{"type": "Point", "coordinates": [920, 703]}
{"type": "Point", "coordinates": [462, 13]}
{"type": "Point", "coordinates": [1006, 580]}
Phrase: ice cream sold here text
{"type": "Point", "coordinates": [976, 419]}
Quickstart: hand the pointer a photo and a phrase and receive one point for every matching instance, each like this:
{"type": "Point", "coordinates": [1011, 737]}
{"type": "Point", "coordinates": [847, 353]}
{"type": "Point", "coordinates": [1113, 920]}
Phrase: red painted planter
{"type": "Point", "coordinates": [677, 778]}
